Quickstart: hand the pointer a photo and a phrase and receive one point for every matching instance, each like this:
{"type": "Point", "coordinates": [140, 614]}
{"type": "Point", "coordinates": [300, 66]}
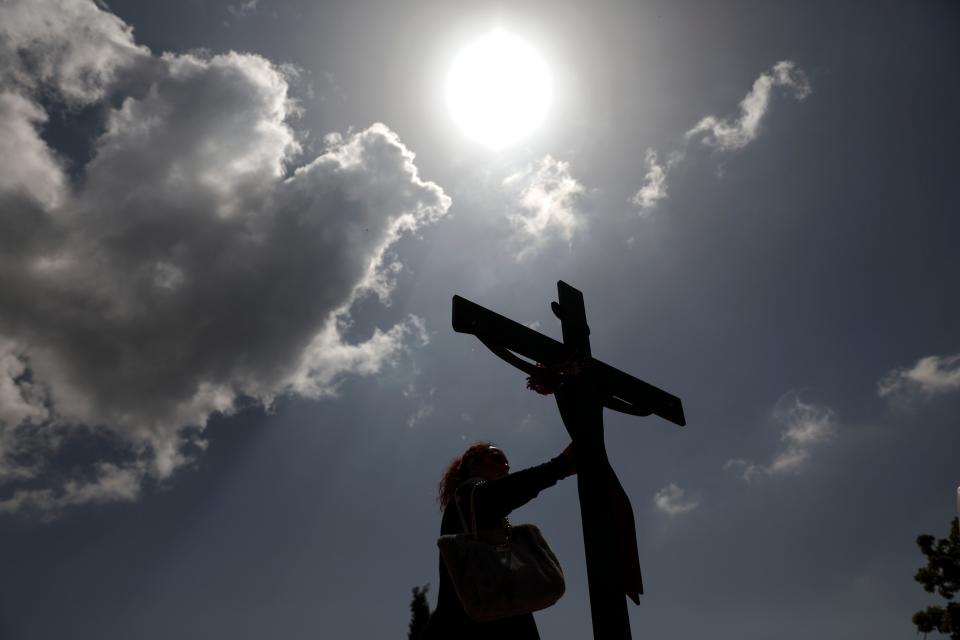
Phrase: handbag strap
{"type": "Point", "coordinates": [472, 530]}
{"type": "Point", "coordinates": [473, 509]}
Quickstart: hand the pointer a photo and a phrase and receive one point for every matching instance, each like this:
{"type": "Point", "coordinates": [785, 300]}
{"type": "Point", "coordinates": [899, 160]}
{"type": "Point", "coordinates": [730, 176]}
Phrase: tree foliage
{"type": "Point", "coordinates": [940, 575]}
{"type": "Point", "coordinates": [419, 612]}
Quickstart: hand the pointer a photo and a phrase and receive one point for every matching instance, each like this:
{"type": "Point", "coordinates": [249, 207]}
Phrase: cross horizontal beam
{"type": "Point", "coordinates": [634, 395]}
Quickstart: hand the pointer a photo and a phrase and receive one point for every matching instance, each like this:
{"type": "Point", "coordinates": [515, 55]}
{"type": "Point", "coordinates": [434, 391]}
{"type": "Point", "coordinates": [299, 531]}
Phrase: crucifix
{"type": "Point", "coordinates": [583, 386]}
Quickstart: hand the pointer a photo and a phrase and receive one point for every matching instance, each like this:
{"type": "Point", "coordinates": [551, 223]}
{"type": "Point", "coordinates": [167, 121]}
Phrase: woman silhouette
{"type": "Point", "coordinates": [499, 494]}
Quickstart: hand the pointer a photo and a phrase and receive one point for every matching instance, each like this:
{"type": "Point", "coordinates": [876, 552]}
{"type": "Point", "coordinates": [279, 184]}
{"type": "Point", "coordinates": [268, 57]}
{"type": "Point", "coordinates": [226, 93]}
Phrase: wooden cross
{"type": "Point", "coordinates": [583, 386]}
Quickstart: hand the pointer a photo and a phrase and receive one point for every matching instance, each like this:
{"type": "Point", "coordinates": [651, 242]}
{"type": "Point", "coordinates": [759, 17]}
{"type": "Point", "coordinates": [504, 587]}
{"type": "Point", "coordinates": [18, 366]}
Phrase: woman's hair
{"type": "Point", "coordinates": [457, 470]}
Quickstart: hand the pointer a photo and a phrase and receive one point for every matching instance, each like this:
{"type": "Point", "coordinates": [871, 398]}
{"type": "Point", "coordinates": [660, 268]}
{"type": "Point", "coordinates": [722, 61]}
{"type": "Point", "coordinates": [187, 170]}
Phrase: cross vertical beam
{"type": "Point", "coordinates": [581, 408]}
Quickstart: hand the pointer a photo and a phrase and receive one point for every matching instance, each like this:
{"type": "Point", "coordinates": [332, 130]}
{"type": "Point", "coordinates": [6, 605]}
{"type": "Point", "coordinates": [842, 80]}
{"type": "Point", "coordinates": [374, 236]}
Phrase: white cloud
{"type": "Point", "coordinates": [928, 377]}
{"type": "Point", "coordinates": [548, 203]}
{"type": "Point", "coordinates": [722, 134]}
{"type": "Point", "coordinates": [424, 402]}
{"type": "Point", "coordinates": [805, 427]}
{"type": "Point", "coordinates": [107, 483]}
{"type": "Point", "coordinates": [529, 425]}
{"type": "Point", "coordinates": [671, 501]}
{"type": "Point", "coordinates": [728, 135]}
{"type": "Point", "coordinates": [423, 411]}
{"type": "Point", "coordinates": [243, 9]}
{"type": "Point", "coordinates": [654, 187]}
{"type": "Point", "coordinates": [192, 265]}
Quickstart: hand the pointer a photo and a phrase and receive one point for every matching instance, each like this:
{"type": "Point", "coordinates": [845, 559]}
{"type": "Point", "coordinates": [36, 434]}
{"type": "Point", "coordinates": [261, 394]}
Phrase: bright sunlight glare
{"type": "Point", "coordinates": [498, 90]}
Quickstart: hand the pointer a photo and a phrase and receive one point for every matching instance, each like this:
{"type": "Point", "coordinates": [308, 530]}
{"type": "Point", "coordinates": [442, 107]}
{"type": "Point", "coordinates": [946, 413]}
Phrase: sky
{"type": "Point", "coordinates": [230, 232]}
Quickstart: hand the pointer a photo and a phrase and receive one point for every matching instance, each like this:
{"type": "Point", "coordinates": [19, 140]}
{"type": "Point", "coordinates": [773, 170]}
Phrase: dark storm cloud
{"type": "Point", "coordinates": [189, 266]}
{"type": "Point", "coordinates": [68, 47]}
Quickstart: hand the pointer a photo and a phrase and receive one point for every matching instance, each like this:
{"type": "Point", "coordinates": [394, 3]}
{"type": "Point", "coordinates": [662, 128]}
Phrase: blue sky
{"type": "Point", "coordinates": [232, 231]}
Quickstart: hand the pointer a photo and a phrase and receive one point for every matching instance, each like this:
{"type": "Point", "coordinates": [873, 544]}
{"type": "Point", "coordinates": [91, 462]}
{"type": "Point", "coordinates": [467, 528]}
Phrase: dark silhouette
{"type": "Point", "coordinates": [941, 575]}
{"type": "Point", "coordinates": [419, 612]}
{"type": "Point", "coordinates": [500, 493]}
{"type": "Point", "coordinates": [583, 387]}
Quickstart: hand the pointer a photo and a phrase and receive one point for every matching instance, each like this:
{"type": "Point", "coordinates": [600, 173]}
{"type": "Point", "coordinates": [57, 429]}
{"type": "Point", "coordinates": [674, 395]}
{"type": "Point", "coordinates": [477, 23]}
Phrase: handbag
{"type": "Point", "coordinates": [501, 572]}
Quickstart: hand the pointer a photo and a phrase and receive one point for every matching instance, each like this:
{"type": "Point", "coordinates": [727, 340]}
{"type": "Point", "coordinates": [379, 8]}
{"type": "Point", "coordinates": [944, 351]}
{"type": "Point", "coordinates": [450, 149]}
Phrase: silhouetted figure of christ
{"type": "Point", "coordinates": [500, 493]}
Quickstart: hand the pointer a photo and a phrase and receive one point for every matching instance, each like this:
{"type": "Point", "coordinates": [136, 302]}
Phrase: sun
{"type": "Point", "coordinates": [499, 89]}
